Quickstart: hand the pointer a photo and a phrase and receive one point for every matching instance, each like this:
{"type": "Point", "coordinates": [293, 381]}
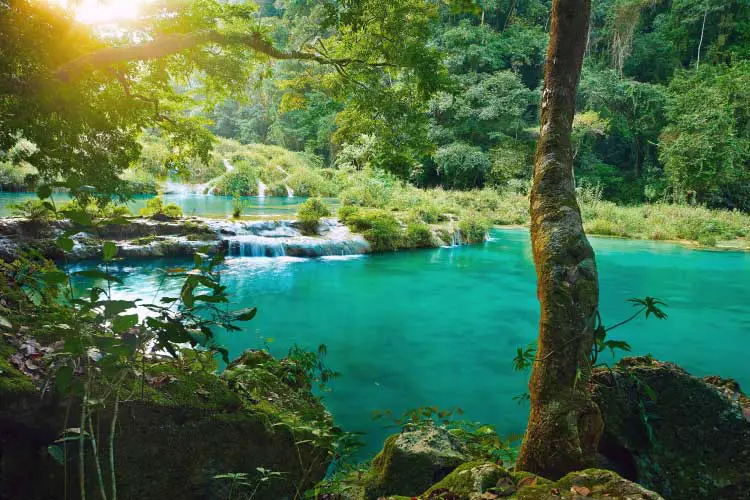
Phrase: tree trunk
{"type": "Point", "coordinates": [564, 424]}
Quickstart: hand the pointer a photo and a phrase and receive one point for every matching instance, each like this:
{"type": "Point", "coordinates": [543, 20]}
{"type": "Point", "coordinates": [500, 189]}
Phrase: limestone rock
{"type": "Point", "coordinates": [680, 435]}
{"type": "Point", "coordinates": [414, 460]}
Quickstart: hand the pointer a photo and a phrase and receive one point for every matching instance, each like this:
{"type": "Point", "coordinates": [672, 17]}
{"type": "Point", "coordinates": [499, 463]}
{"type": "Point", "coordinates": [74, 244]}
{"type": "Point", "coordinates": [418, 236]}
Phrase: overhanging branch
{"type": "Point", "coordinates": [173, 43]}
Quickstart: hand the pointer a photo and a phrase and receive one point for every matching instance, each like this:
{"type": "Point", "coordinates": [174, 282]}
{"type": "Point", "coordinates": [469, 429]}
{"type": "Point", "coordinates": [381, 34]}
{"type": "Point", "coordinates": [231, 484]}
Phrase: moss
{"type": "Point", "coordinates": [473, 477]}
{"type": "Point", "coordinates": [649, 407]}
{"type": "Point", "coordinates": [13, 384]}
{"type": "Point", "coordinates": [412, 461]}
{"type": "Point", "coordinates": [147, 240]}
{"type": "Point", "coordinates": [599, 483]}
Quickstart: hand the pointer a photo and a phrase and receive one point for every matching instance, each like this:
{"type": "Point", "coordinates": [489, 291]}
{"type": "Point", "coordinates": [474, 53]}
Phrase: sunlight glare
{"type": "Point", "coordinates": [102, 11]}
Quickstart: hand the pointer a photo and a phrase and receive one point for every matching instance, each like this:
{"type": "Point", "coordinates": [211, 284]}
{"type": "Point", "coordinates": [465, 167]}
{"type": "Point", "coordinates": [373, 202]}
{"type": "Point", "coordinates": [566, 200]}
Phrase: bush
{"type": "Point", "coordinates": [346, 212]}
{"type": "Point", "coordinates": [156, 207]}
{"type": "Point", "coordinates": [309, 214]}
{"type": "Point", "coordinates": [474, 228]}
{"type": "Point", "coordinates": [462, 166]}
{"type": "Point", "coordinates": [418, 235]}
{"type": "Point", "coordinates": [13, 177]}
{"type": "Point", "coordinates": [139, 181]}
{"type": "Point", "coordinates": [36, 210]}
{"type": "Point", "coordinates": [102, 210]}
{"type": "Point", "coordinates": [243, 180]}
{"type": "Point", "coordinates": [379, 228]}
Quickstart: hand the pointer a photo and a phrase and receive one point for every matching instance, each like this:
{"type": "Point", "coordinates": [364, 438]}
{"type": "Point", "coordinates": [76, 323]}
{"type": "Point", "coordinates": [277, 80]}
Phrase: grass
{"type": "Point", "coordinates": [659, 221]}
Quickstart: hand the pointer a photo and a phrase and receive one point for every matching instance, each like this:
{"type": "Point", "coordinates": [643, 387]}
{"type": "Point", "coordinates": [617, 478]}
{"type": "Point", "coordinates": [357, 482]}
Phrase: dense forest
{"type": "Point", "coordinates": [663, 108]}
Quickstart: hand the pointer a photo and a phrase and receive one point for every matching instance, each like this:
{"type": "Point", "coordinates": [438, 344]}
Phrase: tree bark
{"type": "Point", "coordinates": [564, 424]}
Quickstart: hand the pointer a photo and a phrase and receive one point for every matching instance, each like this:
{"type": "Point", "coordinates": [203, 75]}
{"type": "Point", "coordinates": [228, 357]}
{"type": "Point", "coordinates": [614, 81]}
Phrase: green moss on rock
{"type": "Point", "coordinates": [680, 435]}
{"type": "Point", "coordinates": [590, 483]}
{"type": "Point", "coordinates": [413, 460]}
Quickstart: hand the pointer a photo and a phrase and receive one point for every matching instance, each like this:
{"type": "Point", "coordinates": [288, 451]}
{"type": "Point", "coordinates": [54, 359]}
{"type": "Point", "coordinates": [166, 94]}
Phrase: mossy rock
{"type": "Point", "coordinates": [590, 483]}
{"type": "Point", "coordinates": [680, 435]}
{"type": "Point", "coordinates": [413, 460]}
{"type": "Point", "coordinates": [471, 480]}
{"type": "Point", "coordinates": [173, 435]}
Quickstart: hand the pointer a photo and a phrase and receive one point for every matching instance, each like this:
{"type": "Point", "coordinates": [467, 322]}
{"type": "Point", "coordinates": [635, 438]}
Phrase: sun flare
{"type": "Point", "coordinates": [102, 11]}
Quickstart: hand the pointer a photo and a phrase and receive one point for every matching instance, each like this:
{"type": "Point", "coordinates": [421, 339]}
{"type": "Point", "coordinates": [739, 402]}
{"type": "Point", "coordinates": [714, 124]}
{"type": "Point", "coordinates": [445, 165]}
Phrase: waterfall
{"type": "Point", "coordinates": [289, 191]}
{"type": "Point", "coordinates": [228, 166]}
{"type": "Point", "coordinates": [261, 189]}
{"type": "Point", "coordinates": [256, 246]}
{"type": "Point", "coordinates": [282, 238]}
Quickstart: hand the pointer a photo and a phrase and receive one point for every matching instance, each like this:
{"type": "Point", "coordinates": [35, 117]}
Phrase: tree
{"type": "Point", "coordinates": [564, 423]}
{"type": "Point", "coordinates": [705, 149]}
{"type": "Point", "coordinates": [85, 99]}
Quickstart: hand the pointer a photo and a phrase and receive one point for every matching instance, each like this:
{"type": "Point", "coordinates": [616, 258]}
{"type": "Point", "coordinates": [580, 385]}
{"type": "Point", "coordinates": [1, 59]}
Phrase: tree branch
{"type": "Point", "coordinates": [173, 43]}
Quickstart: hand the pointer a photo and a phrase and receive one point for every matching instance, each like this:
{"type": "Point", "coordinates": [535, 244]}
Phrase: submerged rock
{"type": "Point", "coordinates": [685, 437]}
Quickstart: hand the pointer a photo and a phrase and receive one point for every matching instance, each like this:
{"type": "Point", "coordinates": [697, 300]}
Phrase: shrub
{"type": "Point", "coordinates": [474, 228]}
{"type": "Point", "coordinates": [379, 228]}
{"type": "Point", "coordinates": [94, 210]}
{"type": "Point", "coordinates": [36, 210]}
{"type": "Point", "coordinates": [418, 235]}
{"type": "Point", "coordinates": [345, 212]}
{"type": "Point", "coordinates": [139, 181]}
{"type": "Point", "coordinates": [309, 214]}
{"type": "Point", "coordinates": [243, 180]}
{"type": "Point", "coordinates": [156, 207]}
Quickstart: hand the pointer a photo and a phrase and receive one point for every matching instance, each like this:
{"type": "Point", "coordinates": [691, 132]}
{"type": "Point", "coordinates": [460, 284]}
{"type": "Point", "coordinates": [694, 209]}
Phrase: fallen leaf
{"type": "Point", "coordinates": [527, 481]}
{"type": "Point", "coordinates": [580, 490]}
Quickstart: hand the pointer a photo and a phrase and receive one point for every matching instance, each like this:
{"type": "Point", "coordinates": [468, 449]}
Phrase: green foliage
{"type": "Point", "coordinates": [36, 210]}
{"type": "Point", "coordinates": [706, 147]}
{"type": "Point", "coordinates": [418, 235]}
{"type": "Point", "coordinates": [462, 166]}
{"type": "Point", "coordinates": [309, 214]}
{"type": "Point", "coordinates": [474, 228]}
{"type": "Point", "coordinates": [155, 207]}
{"type": "Point", "coordinates": [381, 229]}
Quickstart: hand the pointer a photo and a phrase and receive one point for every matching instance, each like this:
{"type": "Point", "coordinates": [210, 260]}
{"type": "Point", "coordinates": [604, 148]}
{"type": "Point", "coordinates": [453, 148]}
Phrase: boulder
{"type": "Point", "coordinates": [414, 460]}
{"type": "Point", "coordinates": [581, 485]}
{"type": "Point", "coordinates": [483, 480]}
{"type": "Point", "coordinates": [674, 433]}
{"type": "Point", "coordinates": [173, 436]}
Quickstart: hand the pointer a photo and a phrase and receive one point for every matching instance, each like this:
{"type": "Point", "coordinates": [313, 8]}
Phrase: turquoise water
{"type": "Point", "coordinates": [439, 327]}
{"type": "Point", "coordinates": [191, 204]}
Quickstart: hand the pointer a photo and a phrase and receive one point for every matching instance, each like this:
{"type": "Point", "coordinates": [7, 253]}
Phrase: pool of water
{"type": "Point", "coordinates": [439, 327]}
{"type": "Point", "coordinates": [191, 204]}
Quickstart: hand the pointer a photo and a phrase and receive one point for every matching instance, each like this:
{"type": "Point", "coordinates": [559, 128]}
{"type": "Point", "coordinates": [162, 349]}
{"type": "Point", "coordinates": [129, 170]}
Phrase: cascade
{"type": "Point", "coordinates": [261, 189]}
{"type": "Point", "coordinates": [289, 191]}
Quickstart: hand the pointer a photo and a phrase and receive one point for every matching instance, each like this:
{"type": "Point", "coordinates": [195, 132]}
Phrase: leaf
{"type": "Point", "coordinates": [123, 323]}
{"type": "Point", "coordinates": [44, 192]}
{"type": "Point", "coordinates": [63, 377]}
{"type": "Point", "coordinates": [54, 277]}
{"type": "Point", "coordinates": [245, 314]}
{"type": "Point", "coordinates": [97, 274]}
{"type": "Point", "coordinates": [527, 481]}
{"type": "Point", "coordinates": [5, 323]}
{"type": "Point", "coordinates": [65, 243]}
{"type": "Point", "coordinates": [56, 453]}
{"type": "Point", "coordinates": [78, 217]}
{"type": "Point", "coordinates": [115, 307]}
{"type": "Point", "coordinates": [109, 250]}
{"type": "Point", "coordinates": [580, 490]}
